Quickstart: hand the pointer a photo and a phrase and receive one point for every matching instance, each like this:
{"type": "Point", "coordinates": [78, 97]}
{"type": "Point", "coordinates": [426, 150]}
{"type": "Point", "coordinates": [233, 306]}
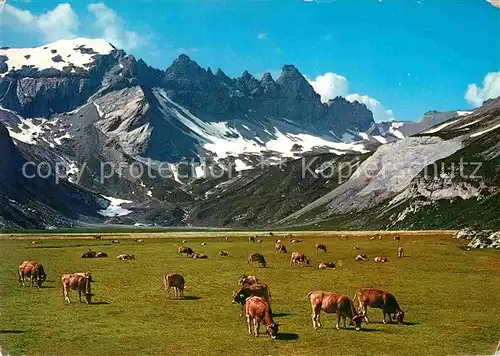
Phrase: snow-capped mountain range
{"type": "Point", "coordinates": [82, 103]}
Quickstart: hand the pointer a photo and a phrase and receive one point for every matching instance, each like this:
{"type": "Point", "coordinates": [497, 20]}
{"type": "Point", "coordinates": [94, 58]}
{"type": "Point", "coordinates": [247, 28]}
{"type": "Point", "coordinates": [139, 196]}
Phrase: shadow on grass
{"type": "Point", "coordinates": [99, 303]}
{"type": "Point", "coordinates": [287, 336]}
{"type": "Point", "coordinates": [190, 297]}
{"type": "Point", "coordinates": [410, 323]}
{"type": "Point", "coordinates": [47, 287]}
{"type": "Point", "coordinates": [12, 331]}
{"type": "Point", "coordinates": [280, 315]}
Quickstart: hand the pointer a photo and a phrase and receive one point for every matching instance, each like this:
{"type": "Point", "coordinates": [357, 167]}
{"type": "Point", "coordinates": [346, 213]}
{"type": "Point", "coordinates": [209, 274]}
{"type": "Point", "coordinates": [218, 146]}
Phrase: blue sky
{"type": "Point", "coordinates": [400, 57]}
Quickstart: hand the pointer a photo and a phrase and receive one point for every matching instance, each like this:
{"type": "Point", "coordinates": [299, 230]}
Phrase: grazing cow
{"type": "Point", "coordinates": [294, 241]}
{"type": "Point", "coordinates": [241, 295]}
{"type": "Point", "coordinates": [98, 237]}
{"type": "Point", "coordinates": [184, 250]}
{"type": "Point", "coordinates": [89, 254]}
{"type": "Point", "coordinates": [298, 257]}
{"type": "Point", "coordinates": [333, 303]}
{"type": "Point", "coordinates": [344, 237]}
{"type": "Point", "coordinates": [101, 255]}
{"type": "Point", "coordinates": [34, 270]}
{"type": "Point", "coordinates": [397, 238]}
{"type": "Point", "coordinates": [203, 244]}
{"type": "Point", "coordinates": [288, 236]}
{"type": "Point", "coordinates": [115, 241]}
{"type": "Point", "coordinates": [279, 247]}
{"type": "Point", "coordinates": [401, 252]}
{"type": "Point", "coordinates": [380, 259]}
{"type": "Point", "coordinates": [251, 239]}
{"type": "Point", "coordinates": [140, 241]}
{"type": "Point", "coordinates": [199, 256]}
{"type": "Point", "coordinates": [257, 310]}
{"type": "Point", "coordinates": [324, 265]}
{"type": "Point", "coordinates": [176, 281]}
{"type": "Point", "coordinates": [126, 256]}
{"type": "Point", "coordinates": [184, 241]}
{"type": "Point", "coordinates": [36, 242]}
{"type": "Point", "coordinates": [372, 238]}
{"type": "Point", "coordinates": [355, 247]}
{"type": "Point", "coordinates": [227, 239]}
{"type": "Point", "coordinates": [271, 234]}
{"type": "Point", "coordinates": [223, 253]}
{"type": "Point", "coordinates": [361, 257]}
{"type": "Point", "coordinates": [79, 282]}
{"type": "Point", "coordinates": [257, 257]}
{"type": "Point", "coordinates": [245, 280]}
{"type": "Point", "coordinates": [320, 247]}
{"type": "Point", "coordinates": [376, 298]}
{"type": "Point", "coordinates": [259, 240]}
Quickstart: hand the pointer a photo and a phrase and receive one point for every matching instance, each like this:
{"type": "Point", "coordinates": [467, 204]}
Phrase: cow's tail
{"type": "Point", "coordinates": [355, 297]}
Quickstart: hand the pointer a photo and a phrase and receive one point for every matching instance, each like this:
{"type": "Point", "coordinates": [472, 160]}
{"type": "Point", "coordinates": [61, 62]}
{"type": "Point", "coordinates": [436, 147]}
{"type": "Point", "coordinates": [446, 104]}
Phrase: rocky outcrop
{"type": "Point", "coordinates": [479, 238]}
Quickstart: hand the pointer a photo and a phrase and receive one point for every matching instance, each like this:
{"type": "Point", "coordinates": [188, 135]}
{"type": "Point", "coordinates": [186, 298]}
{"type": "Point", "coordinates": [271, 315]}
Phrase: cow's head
{"type": "Point", "coordinates": [356, 321]}
{"type": "Point", "coordinates": [400, 315]}
{"type": "Point", "coordinates": [239, 298]}
{"type": "Point", "coordinates": [272, 330]}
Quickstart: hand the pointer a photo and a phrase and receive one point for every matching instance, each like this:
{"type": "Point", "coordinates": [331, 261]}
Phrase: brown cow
{"type": "Point", "coordinates": [380, 259]}
{"type": "Point", "coordinates": [257, 257]}
{"type": "Point", "coordinates": [36, 242]}
{"type": "Point", "coordinates": [279, 247]}
{"type": "Point", "coordinates": [176, 281]}
{"type": "Point", "coordinates": [397, 238]}
{"type": "Point", "coordinates": [185, 250]}
{"type": "Point", "coordinates": [126, 256]}
{"type": "Point", "coordinates": [324, 265]}
{"type": "Point", "coordinates": [241, 295]}
{"type": "Point", "coordinates": [223, 253]}
{"type": "Point", "coordinates": [362, 257]}
{"type": "Point", "coordinates": [298, 257]}
{"type": "Point", "coordinates": [295, 241]}
{"type": "Point", "coordinates": [98, 237]}
{"type": "Point", "coordinates": [401, 252]}
{"type": "Point", "coordinates": [320, 247]}
{"type": "Point", "coordinates": [199, 256]}
{"type": "Point", "coordinates": [257, 310]}
{"type": "Point", "coordinates": [247, 280]}
{"type": "Point", "coordinates": [115, 241]}
{"type": "Point", "coordinates": [89, 254]}
{"type": "Point", "coordinates": [77, 281]}
{"type": "Point", "coordinates": [101, 254]}
{"type": "Point", "coordinates": [34, 270]}
{"type": "Point", "coordinates": [376, 298]}
{"type": "Point", "coordinates": [251, 239]}
{"type": "Point", "coordinates": [355, 247]}
{"type": "Point", "coordinates": [140, 241]}
{"type": "Point", "coordinates": [333, 303]}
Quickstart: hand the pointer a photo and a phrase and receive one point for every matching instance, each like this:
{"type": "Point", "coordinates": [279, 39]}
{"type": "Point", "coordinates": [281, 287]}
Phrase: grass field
{"type": "Point", "coordinates": [450, 296]}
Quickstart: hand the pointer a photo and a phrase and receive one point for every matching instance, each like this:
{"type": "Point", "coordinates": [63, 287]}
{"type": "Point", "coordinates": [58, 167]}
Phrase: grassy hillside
{"type": "Point", "coordinates": [448, 294]}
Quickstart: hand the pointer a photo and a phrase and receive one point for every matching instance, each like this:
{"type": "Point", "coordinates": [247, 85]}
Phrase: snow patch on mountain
{"type": "Point", "coordinates": [115, 207]}
{"type": "Point", "coordinates": [78, 52]}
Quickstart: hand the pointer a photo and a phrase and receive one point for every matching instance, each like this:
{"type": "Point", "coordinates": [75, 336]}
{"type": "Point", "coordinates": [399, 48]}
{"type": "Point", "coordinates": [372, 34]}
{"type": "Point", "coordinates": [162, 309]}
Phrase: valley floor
{"type": "Point", "coordinates": [450, 296]}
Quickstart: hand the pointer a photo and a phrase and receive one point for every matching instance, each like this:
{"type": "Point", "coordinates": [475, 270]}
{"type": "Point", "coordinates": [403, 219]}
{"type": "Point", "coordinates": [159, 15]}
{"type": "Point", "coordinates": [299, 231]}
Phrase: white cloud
{"type": "Point", "coordinates": [380, 113]}
{"type": "Point", "coordinates": [262, 36]}
{"type": "Point", "coordinates": [491, 89]}
{"type": "Point", "coordinates": [112, 27]}
{"type": "Point", "coordinates": [331, 85]}
{"type": "Point", "coordinates": [187, 50]}
{"type": "Point", "coordinates": [495, 3]}
{"type": "Point", "coordinates": [62, 22]}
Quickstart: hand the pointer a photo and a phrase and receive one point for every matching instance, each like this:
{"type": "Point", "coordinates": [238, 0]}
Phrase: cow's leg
{"type": "Point", "coordinates": [80, 295]}
{"type": "Point", "coordinates": [364, 309]}
{"type": "Point", "coordinates": [315, 317]}
{"type": "Point", "coordinates": [249, 324]}
{"type": "Point", "coordinates": [65, 294]}
{"type": "Point", "coordinates": [384, 321]}
{"type": "Point", "coordinates": [31, 279]}
{"type": "Point", "coordinates": [345, 326]}
{"type": "Point", "coordinates": [168, 292]}
{"type": "Point", "coordinates": [256, 327]}
{"type": "Point", "coordinates": [338, 319]}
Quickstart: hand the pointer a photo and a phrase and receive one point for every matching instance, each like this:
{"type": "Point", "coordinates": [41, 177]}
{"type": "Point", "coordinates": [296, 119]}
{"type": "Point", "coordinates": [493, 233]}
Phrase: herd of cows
{"type": "Point", "coordinates": [253, 296]}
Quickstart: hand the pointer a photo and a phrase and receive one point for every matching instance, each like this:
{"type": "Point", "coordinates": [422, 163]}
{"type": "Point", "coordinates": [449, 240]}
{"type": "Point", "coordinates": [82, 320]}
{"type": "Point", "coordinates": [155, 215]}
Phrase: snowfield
{"type": "Point", "coordinates": [68, 50]}
{"type": "Point", "coordinates": [114, 209]}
